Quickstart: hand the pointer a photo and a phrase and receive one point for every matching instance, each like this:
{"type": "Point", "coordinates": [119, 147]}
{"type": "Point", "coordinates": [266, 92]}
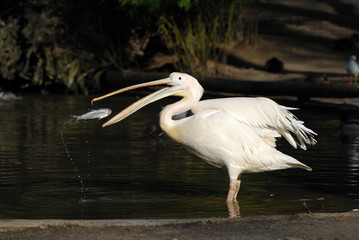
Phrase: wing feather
{"type": "Point", "coordinates": [270, 119]}
{"type": "Point", "coordinates": [222, 140]}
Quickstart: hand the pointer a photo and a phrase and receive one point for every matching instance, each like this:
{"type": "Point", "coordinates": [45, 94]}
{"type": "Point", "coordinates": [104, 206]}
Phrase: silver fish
{"type": "Point", "coordinates": [92, 114]}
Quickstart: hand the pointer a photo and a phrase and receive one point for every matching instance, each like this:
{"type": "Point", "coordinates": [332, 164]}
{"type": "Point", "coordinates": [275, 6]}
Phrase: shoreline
{"type": "Point", "coordinates": [298, 226]}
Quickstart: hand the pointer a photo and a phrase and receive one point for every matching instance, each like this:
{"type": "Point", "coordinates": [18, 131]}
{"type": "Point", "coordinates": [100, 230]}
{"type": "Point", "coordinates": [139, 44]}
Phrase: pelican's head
{"type": "Point", "coordinates": [353, 58]}
{"type": "Point", "coordinates": [178, 84]}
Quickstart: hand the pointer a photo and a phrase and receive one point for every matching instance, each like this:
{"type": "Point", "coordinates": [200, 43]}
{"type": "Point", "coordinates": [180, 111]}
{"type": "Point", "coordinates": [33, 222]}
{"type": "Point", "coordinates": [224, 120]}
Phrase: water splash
{"type": "Point", "coordinates": [75, 166]}
{"type": "Point", "coordinates": [83, 197]}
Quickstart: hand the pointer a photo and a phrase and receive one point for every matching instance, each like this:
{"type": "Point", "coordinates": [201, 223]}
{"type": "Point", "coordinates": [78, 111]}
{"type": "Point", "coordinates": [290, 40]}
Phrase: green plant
{"type": "Point", "coordinates": [10, 51]}
{"type": "Point", "coordinates": [71, 43]}
{"type": "Point", "coordinates": [196, 41]}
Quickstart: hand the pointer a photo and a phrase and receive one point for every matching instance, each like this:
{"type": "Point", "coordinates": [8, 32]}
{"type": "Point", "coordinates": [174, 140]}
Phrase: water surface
{"type": "Point", "coordinates": [123, 172]}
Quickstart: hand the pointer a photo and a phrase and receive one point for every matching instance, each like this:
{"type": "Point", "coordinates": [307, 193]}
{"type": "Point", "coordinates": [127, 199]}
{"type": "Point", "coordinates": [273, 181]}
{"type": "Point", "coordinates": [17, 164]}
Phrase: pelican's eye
{"type": "Point", "coordinates": [178, 79]}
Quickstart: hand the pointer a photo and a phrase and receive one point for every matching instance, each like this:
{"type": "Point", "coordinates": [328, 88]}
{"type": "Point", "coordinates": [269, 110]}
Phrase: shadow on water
{"type": "Point", "coordinates": [122, 172]}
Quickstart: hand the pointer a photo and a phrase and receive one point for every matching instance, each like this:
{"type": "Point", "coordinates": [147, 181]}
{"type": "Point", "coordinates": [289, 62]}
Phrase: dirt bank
{"type": "Point", "coordinates": [303, 35]}
{"type": "Point", "coordinates": [316, 226]}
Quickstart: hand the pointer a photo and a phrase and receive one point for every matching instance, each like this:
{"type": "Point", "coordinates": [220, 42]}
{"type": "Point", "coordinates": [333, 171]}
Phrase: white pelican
{"type": "Point", "coordinates": [234, 133]}
{"type": "Point", "coordinates": [352, 69]}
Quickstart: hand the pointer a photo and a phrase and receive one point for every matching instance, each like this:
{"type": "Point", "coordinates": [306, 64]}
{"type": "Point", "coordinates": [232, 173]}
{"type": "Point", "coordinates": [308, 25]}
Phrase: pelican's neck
{"type": "Point", "coordinates": [190, 98]}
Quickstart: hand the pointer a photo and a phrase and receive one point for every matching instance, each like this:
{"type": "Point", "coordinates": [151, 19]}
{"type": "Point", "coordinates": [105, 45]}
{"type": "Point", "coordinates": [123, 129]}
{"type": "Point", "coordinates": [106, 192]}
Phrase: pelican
{"type": "Point", "coordinates": [352, 69]}
{"type": "Point", "coordinates": [238, 134]}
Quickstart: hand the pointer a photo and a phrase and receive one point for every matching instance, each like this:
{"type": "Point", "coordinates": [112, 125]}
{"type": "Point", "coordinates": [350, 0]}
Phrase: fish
{"type": "Point", "coordinates": [92, 114]}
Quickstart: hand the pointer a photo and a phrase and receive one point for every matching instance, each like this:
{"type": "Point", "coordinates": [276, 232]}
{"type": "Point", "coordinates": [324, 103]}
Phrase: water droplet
{"type": "Point", "coordinates": [74, 165]}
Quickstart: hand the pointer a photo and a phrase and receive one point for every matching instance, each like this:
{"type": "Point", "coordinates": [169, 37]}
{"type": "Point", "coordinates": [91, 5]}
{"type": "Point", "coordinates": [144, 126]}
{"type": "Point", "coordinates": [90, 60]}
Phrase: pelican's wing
{"type": "Point", "coordinates": [218, 132]}
{"type": "Point", "coordinates": [221, 140]}
{"type": "Point", "coordinates": [267, 117]}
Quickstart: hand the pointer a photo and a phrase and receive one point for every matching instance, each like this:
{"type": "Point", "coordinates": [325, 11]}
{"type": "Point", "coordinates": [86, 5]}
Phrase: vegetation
{"type": "Point", "coordinates": [67, 44]}
{"type": "Point", "coordinates": [195, 43]}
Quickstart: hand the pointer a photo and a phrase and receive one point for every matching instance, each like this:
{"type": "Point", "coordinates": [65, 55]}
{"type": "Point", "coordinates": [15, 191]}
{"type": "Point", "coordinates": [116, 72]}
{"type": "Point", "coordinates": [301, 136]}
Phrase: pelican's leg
{"type": "Point", "coordinates": [350, 79]}
{"type": "Point", "coordinates": [356, 80]}
{"type": "Point", "coordinates": [234, 186]}
{"type": "Point", "coordinates": [238, 185]}
{"type": "Point", "coordinates": [232, 190]}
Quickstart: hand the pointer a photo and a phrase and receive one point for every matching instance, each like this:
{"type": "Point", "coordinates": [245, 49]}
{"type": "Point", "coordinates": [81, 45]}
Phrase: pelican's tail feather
{"type": "Point", "coordinates": [301, 165]}
{"type": "Point", "coordinates": [297, 134]}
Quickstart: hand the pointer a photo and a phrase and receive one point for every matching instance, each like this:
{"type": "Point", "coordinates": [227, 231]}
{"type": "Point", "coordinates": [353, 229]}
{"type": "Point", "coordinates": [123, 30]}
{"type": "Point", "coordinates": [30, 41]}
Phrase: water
{"type": "Point", "coordinates": [125, 173]}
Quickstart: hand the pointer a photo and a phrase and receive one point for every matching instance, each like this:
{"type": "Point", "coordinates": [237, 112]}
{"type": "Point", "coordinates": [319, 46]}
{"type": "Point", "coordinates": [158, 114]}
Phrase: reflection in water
{"type": "Point", "coordinates": [352, 176]}
{"type": "Point", "coordinates": [129, 174]}
{"type": "Point", "coordinates": [233, 209]}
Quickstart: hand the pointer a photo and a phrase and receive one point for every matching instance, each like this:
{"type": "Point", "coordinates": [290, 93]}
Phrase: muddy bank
{"type": "Point", "coordinates": [315, 226]}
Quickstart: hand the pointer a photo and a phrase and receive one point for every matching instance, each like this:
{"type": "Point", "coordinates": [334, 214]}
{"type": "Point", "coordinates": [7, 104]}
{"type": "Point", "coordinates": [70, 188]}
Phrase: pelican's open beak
{"type": "Point", "coordinates": [162, 93]}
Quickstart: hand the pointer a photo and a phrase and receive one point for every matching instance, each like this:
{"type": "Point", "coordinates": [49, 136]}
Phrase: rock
{"type": "Point", "coordinates": [351, 43]}
{"type": "Point", "coordinates": [274, 65]}
{"type": "Point", "coordinates": [322, 79]}
{"type": "Point", "coordinates": [8, 96]}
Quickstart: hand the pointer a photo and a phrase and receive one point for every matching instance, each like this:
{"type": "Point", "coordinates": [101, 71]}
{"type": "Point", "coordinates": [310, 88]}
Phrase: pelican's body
{"type": "Point", "coordinates": [352, 69]}
{"type": "Point", "coordinates": [240, 142]}
{"type": "Point", "coordinates": [234, 133]}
